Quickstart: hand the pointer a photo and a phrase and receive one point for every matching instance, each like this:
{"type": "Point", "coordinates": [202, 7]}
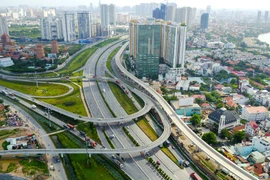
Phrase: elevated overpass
{"type": "Point", "coordinates": [211, 152]}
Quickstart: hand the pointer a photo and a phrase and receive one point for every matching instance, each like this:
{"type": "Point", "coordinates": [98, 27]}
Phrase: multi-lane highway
{"type": "Point", "coordinates": [211, 152]}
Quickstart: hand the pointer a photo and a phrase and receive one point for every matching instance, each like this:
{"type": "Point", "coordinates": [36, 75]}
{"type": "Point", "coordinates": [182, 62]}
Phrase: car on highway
{"type": "Point", "coordinates": [113, 156]}
{"type": "Point", "coordinates": [158, 163]}
{"type": "Point", "coordinates": [112, 136]}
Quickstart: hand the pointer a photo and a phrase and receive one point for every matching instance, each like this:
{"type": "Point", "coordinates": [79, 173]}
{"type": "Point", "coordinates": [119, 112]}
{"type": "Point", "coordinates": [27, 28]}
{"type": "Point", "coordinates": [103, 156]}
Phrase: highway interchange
{"type": "Point", "coordinates": [136, 166]}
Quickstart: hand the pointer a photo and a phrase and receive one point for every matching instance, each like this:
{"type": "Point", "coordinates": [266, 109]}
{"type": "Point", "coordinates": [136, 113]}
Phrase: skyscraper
{"type": "Point", "coordinates": [259, 14]}
{"type": "Point", "coordinates": [204, 21]}
{"type": "Point", "coordinates": [3, 26]}
{"type": "Point", "coordinates": [185, 15]}
{"type": "Point", "coordinates": [170, 13]}
{"type": "Point", "coordinates": [160, 13]}
{"type": "Point", "coordinates": [84, 25]}
{"type": "Point", "coordinates": [107, 15]}
{"type": "Point", "coordinates": [208, 9]}
{"type": "Point", "coordinates": [266, 14]}
{"type": "Point", "coordinates": [150, 41]}
{"type": "Point", "coordinates": [68, 24]}
{"type": "Point", "coordinates": [182, 45]}
{"type": "Point", "coordinates": [145, 40]}
{"type": "Point", "coordinates": [181, 15]}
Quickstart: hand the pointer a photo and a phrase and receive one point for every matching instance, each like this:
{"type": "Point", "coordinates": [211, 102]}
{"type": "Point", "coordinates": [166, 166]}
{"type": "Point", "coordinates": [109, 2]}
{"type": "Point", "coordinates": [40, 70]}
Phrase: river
{"type": "Point", "coordinates": [265, 38]}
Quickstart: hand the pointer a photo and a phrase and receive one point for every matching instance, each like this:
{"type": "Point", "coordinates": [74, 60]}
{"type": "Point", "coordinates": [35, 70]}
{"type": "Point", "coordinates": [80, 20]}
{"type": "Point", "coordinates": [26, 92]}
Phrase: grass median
{"type": "Point", "coordinates": [123, 99]}
{"type": "Point", "coordinates": [71, 102]}
{"type": "Point", "coordinates": [43, 89]}
{"type": "Point", "coordinates": [108, 63]}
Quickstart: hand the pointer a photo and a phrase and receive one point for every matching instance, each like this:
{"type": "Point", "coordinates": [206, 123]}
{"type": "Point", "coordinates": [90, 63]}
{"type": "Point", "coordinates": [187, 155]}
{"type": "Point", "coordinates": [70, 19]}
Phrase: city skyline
{"type": "Point", "coordinates": [194, 3]}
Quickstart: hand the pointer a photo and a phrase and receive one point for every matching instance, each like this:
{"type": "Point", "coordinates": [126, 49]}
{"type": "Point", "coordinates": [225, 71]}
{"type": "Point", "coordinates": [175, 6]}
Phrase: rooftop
{"type": "Point", "coordinates": [230, 116]}
{"type": "Point", "coordinates": [254, 109]}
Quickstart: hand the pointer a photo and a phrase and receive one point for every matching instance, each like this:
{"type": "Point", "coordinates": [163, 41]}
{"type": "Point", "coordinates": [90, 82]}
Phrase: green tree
{"type": "Point", "coordinates": [195, 120]}
{"type": "Point", "coordinates": [209, 138]}
{"type": "Point", "coordinates": [225, 134]}
{"type": "Point", "coordinates": [239, 136]}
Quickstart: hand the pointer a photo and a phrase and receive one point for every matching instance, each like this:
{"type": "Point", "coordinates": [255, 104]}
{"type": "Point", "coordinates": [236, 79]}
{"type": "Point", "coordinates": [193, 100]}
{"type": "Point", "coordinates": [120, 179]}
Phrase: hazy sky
{"type": "Point", "coordinates": [228, 4]}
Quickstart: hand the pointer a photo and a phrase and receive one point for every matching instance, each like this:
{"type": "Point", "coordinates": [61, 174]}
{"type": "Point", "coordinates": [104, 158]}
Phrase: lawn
{"type": "Point", "coordinates": [44, 89]}
{"type": "Point", "coordinates": [90, 129]}
{"type": "Point", "coordinates": [123, 99]}
{"type": "Point", "coordinates": [24, 31]}
{"type": "Point", "coordinates": [71, 102]}
{"type": "Point", "coordinates": [108, 63]}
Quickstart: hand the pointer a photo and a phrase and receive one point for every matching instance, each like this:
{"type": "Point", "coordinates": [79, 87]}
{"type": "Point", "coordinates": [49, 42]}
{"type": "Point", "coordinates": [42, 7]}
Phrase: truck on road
{"type": "Point", "coordinates": [70, 126]}
{"type": "Point", "coordinates": [195, 176]}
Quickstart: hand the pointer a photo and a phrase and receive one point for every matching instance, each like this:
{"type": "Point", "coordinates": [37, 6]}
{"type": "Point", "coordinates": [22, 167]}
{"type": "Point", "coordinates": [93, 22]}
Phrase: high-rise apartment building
{"type": "Point", "coordinates": [185, 15]}
{"type": "Point", "coordinates": [182, 45]}
{"type": "Point", "coordinates": [259, 14]}
{"type": "Point", "coordinates": [108, 20]}
{"type": "Point", "coordinates": [181, 15]}
{"type": "Point", "coordinates": [145, 9]}
{"type": "Point", "coordinates": [151, 41]}
{"type": "Point", "coordinates": [84, 21]}
{"type": "Point", "coordinates": [3, 26]}
{"type": "Point", "coordinates": [160, 13]}
{"type": "Point", "coordinates": [68, 24]}
{"type": "Point", "coordinates": [204, 21]}
{"type": "Point", "coordinates": [266, 14]}
{"type": "Point", "coordinates": [170, 13]}
{"type": "Point", "coordinates": [208, 9]}
{"type": "Point", "coordinates": [51, 29]}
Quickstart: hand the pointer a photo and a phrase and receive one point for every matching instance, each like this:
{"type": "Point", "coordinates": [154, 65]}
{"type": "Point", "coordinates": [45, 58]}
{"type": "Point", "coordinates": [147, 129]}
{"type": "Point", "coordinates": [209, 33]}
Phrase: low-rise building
{"type": "Point", "coordinates": [5, 61]}
{"type": "Point", "coordinates": [243, 149]}
{"type": "Point", "coordinates": [252, 128]}
{"type": "Point", "coordinates": [184, 106]}
{"type": "Point", "coordinates": [206, 106]}
{"type": "Point", "coordinates": [262, 144]}
{"type": "Point", "coordinates": [257, 157]}
{"type": "Point", "coordinates": [224, 118]}
{"type": "Point", "coordinates": [253, 113]}
{"type": "Point", "coordinates": [199, 96]}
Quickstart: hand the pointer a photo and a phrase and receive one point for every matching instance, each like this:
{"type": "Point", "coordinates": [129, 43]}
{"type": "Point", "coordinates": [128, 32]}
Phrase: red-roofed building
{"type": "Point", "coordinates": [252, 128]}
{"type": "Point", "coordinates": [206, 106]}
{"type": "Point", "coordinates": [229, 102]}
{"type": "Point", "coordinates": [258, 169]}
{"type": "Point", "coordinates": [219, 87]}
{"type": "Point", "coordinates": [199, 96]}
